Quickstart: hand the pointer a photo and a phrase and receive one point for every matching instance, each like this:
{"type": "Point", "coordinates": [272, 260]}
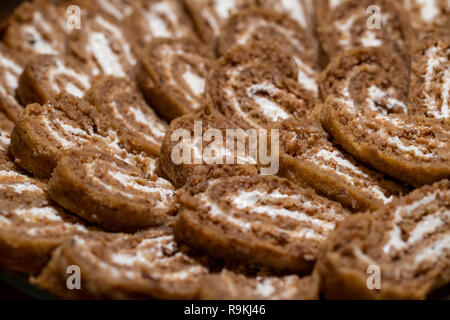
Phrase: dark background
{"type": "Point", "coordinates": [6, 7]}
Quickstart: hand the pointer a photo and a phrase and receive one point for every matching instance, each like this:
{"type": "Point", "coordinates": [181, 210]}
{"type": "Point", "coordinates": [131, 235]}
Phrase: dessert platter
{"type": "Point", "coordinates": [218, 149]}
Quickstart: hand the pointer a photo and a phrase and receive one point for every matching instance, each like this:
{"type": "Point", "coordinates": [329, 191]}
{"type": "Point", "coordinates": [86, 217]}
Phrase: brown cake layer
{"type": "Point", "coordinates": [257, 93]}
{"type": "Point", "coordinates": [429, 92]}
{"type": "Point", "coordinates": [351, 24]}
{"type": "Point", "coordinates": [363, 113]}
{"type": "Point", "coordinates": [151, 264]}
{"type": "Point", "coordinates": [31, 227]}
{"type": "Point", "coordinates": [210, 15]}
{"type": "Point", "coordinates": [172, 75]}
{"type": "Point", "coordinates": [112, 193]}
{"type": "Point", "coordinates": [266, 221]}
{"type": "Point", "coordinates": [302, 11]}
{"type": "Point", "coordinates": [277, 29]}
{"type": "Point", "coordinates": [104, 44]}
{"type": "Point", "coordinates": [184, 148]}
{"type": "Point", "coordinates": [408, 242]}
{"type": "Point", "coordinates": [45, 76]}
{"type": "Point", "coordinates": [310, 158]}
{"type": "Point", "coordinates": [138, 128]}
{"type": "Point", "coordinates": [45, 133]}
{"type": "Point", "coordinates": [160, 19]}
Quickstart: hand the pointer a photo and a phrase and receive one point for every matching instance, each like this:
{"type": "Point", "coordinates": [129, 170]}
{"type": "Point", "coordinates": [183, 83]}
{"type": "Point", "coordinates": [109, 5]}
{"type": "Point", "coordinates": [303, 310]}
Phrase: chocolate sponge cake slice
{"type": "Point", "coordinates": [45, 76]}
{"type": "Point", "coordinates": [367, 119]}
{"type": "Point", "coordinates": [35, 28]}
{"type": "Point", "coordinates": [277, 29]}
{"type": "Point", "coordinates": [308, 157]}
{"type": "Point", "coordinates": [151, 264]}
{"type": "Point", "coordinates": [112, 193]}
{"type": "Point", "coordinates": [302, 11]}
{"type": "Point", "coordinates": [138, 128]}
{"type": "Point", "coordinates": [31, 227]}
{"type": "Point", "coordinates": [262, 220]}
{"type": "Point", "coordinates": [184, 148]}
{"type": "Point", "coordinates": [160, 19]}
{"type": "Point", "coordinates": [46, 132]}
{"type": "Point", "coordinates": [408, 241]}
{"type": "Point", "coordinates": [260, 92]}
{"type": "Point", "coordinates": [104, 45]}
{"type": "Point", "coordinates": [172, 75]}
{"type": "Point", "coordinates": [367, 23]}
{"type": "Point", "coordinates": [429, 92]}
{"type": "Point", "coordinates": [210, 15]}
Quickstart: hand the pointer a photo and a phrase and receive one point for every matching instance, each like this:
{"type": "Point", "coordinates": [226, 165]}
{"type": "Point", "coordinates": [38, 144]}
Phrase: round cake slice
{"type": "Point", "coordinates": [400, 252]}
{"type": "Point", "coordinates": [45, 76]}
{"type": "Point", "coordinates": [30, 226]}
{"type": "Point", "coordinates": [310, 158]}
{"type": "Point", "coordinates": [428, 16]}
{"type": "Point", "coordinates": [257, 93]}
{"type": "Point", "coordinates": [366, 23]}
{"type": "Point", "coordinates": [262, 220]}
{"type": "Point", "coordinates": [228, 285]}
{"type": "Point", "coordinates": [11, 67]}
{"type": "Point", "coordinates": [104, 45]}
{"type": "Point", "coordinates": [35, 28]}
{"type": "Point", "coordinates": [137, 126]}
{"type": "Point", "coordinates": [277, 29]}
{"type": "Point", "coordinates": [364, 113]}
{"type": "Point", "coordinates": [160, 19]}
{"type": "Point", "coordinates": [151, 264]}
{"type": "Point", "coordinates": [172, 74]}
{"type": "Point", "coordinates": [44, 133]}
{"type": "Point", "coordinates": [210, 15]}
{"type": "Point", "coordinates": [201, 140]}
{"type": "Point", "coordinates": [302, 11]}
{"type": "Point", "coordinates": [429, 92]}
{"type": "Point", "coordinates": [112, 193]}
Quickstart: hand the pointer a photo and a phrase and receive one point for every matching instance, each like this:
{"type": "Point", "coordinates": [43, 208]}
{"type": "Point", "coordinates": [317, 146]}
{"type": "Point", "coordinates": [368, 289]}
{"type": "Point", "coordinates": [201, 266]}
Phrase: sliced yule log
{"type": "Point", "coordinates": [262, 220]}
{"type": "Point", "coordinates": [302, 11]}
{"type": "Point", "coordinates": [429, 92]}
{"type": "Point", "coordinates": [210, 15]}
{"type": "Point", "coordinates": [112, 193]}
{"type": "Point", "coordinates": [308, 157]}
{"type": "Point", "coordinates": [428, 16]}
{"type": "Point", "coordinates": [45, 76]}
{"type": "Point", "coordinates": [160, 19]}
{"type": "Point", "coordinates": [31, 227]}
{"type": "Point", "coordinates": [366, 23]}
{"type": "Point", "coordinates": [152, 264]}
{"type": "Point", "coordinates": [277, 29]}
{"type": "Point", "coordinates": [228, 285]}
{"type": "Point", "coordinates": [35, 28]}
{"type": "Point", "coordinates": [11, 67]}
{"type": "Point", "coordinates": [406, 245]}
{"type": "Point", "coordinates": [138, 128]}
{"type": "Point", "coordinates": [259, 92]}
{"type": "Point", "coordinates": [104, 45]}
{"type": "Point", "coordinates": [44, 133]}
{"type": "Point", "coordinates": [201, 140]}
{"type": "Point", "coordinates": [172, 74]}
{"type": "Point", "coordinates": [366, 90]}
